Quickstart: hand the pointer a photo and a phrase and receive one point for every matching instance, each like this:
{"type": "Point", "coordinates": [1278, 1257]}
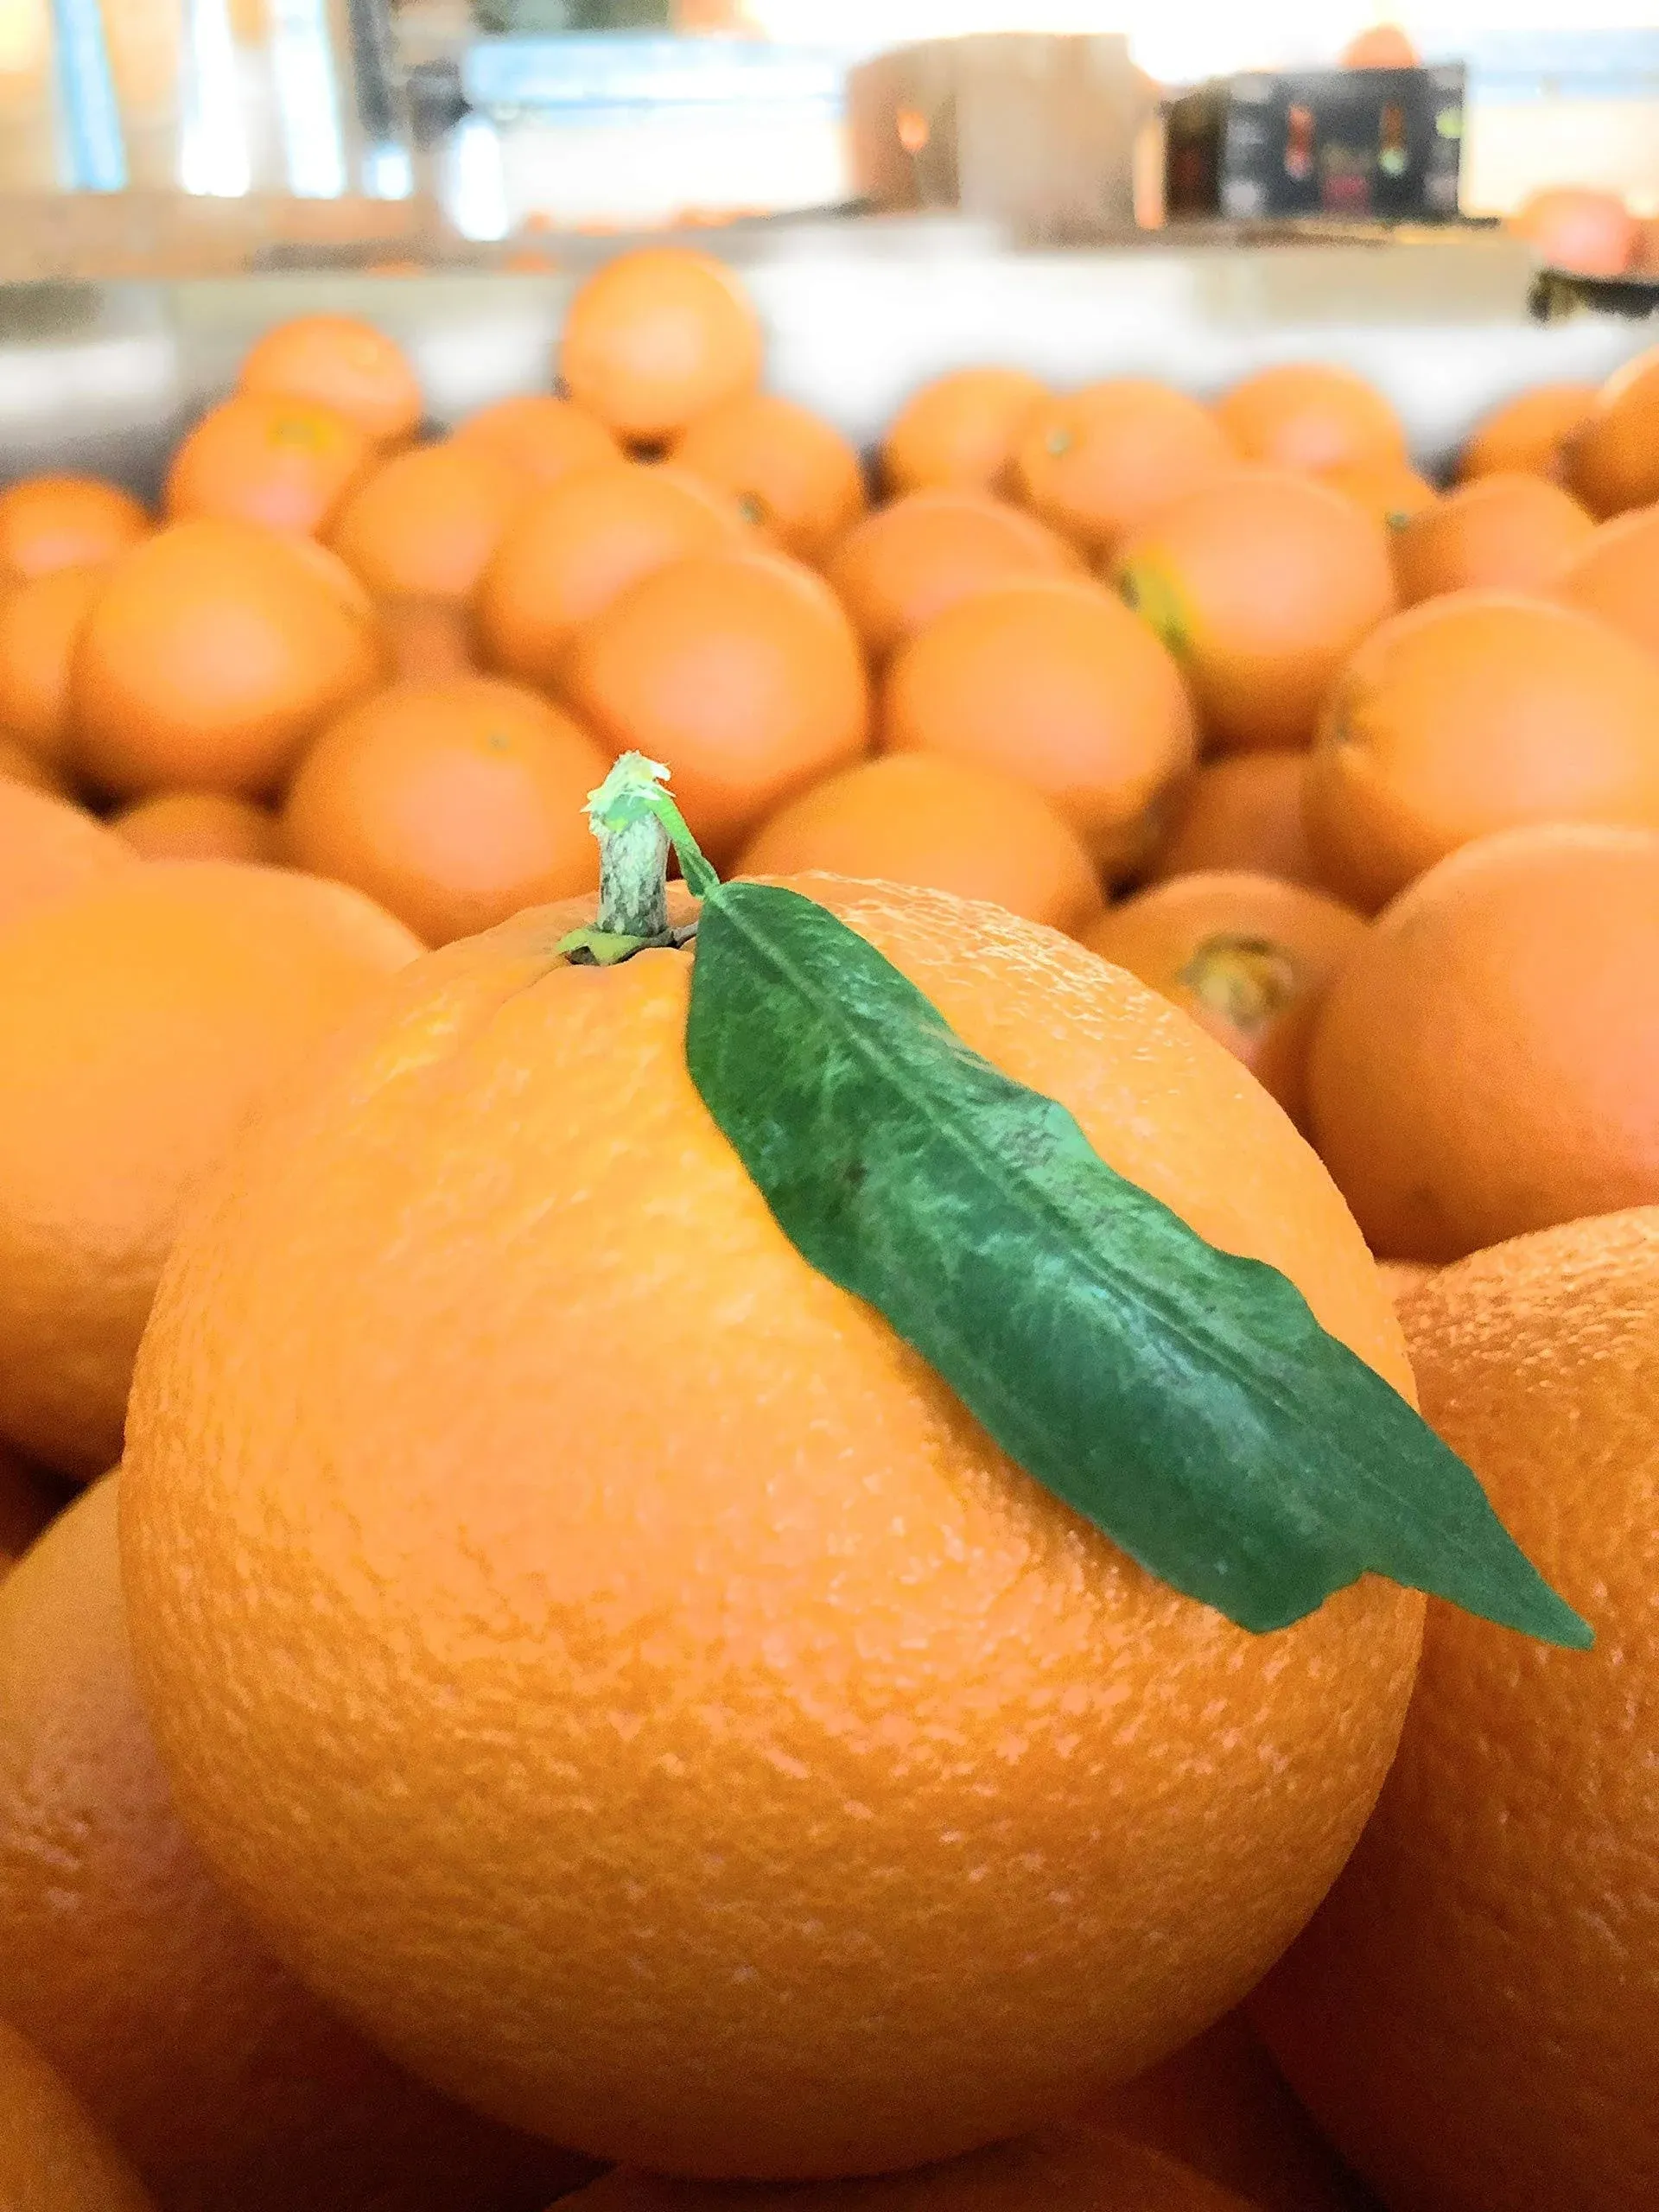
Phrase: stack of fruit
{"type": "Point", "coordinates": [767, 1535]}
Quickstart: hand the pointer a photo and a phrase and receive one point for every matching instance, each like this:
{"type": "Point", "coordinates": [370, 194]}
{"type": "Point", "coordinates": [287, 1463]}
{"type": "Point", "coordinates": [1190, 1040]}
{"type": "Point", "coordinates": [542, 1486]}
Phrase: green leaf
{"type": "Point", "coordinates": [1181, 1399]}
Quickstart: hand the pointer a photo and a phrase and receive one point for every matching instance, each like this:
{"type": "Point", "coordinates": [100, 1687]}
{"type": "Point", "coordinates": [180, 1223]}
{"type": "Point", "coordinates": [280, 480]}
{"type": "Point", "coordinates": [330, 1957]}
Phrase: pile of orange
{"type": "Point", "coordinates": [556, 1683]}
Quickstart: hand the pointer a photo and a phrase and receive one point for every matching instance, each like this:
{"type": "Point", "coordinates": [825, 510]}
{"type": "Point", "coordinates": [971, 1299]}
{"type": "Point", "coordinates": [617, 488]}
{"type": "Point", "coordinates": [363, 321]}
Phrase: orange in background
{"type": "Point", "coordinates": [960, 432]}
{"type": "Point", "coordinates": [1243, 811]}
{"type": "Point", "coordinates": [569, 552]}
{"type": "Point", "coordinates": [40, 622]}
{"type": "Point", "coordinates": [656, 338]}
{"type": "Point", "coordinates": [1614, 572]}
{"type": "Point", "coordinates": [1311, 415]}
{"type": "Point", "coordinates": [64, 522]}
{"type": "Point", "coordinates": [268, 458]}
{"type": "Point", "coordinates": [1487, 1060]}
{"type": "Point", "coordinates": [210, 655]}
{"type": "Point", "coordinates": [1571, 226]}
{"type": "Point", "coordinates": [425, 523]}
{"type": "Point", "coordinates": [341, 362]}
{"type": "Point", "coordinates": [1390, 492]}
{"type": "Point", "coordinates": [1055, 683]}
{"type": "Point", "coordinates": [1249, 958]}
{"type": "Point", "coordinates": [453, 803]}
{"type": "Point", "coordinates": [1478, 712]}
{"type": "Point", "coordinates": [1261, 584]}
{"type": "Point", "coordinates": [947, 826]}
{"type": "Point", "coordinates": [1095, 463]}
{"type": "Point", "coordinates": [913, 559]}
{"type": "Point", "coordinates": [48, 848]}
{"type": "Point", "coordinates": [198, 826]}
{"type": "Point", "coordinates": [738, 668]}
{"type": "Point", "coordinates": [545, 437]}
{"type": "Point", "coordinates": [1613, 458]}
{"type": "Point", "coordinates": [791, 473]}
{"type": "Point", "coordinates": [1511, 532]}
{"type": "Point", "coordinates": [1529, 434]}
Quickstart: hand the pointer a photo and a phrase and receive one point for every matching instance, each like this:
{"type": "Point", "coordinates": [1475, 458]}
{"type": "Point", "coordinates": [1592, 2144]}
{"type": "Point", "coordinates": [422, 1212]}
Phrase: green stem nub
{"type": "Point", "coordinates": [635, 822]}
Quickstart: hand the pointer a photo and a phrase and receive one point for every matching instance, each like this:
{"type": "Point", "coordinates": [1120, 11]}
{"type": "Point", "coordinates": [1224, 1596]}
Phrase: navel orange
{"type": "Point", "coordinates": [1390, 492]}
{"type": "Point", "coordinates": [655, 338]}
{"type": "Point", "coordinates": [790, 472]}
{"type": "Point", "coordinates": [1498, 1929]}
{"type": "Point", "coordinates": [52, 2157]}
{"type": "Point", "coordinates": [949, 825]}
{"type": "Point", "coordinates": [1487, 1060]}
{"type": "Point", "coordinates": [228, 2085]}
{"type": "Point", "coordinates": [785, 1785]}
{"type": "Point", "coordinates": [917, 557]}
{"type": "Point", "coordinates": [1310, 415]}
{"type": "Point", "coordinates": [453, 803]}
{"type": "Point", "coordinates": [1510, 532]}
{"type": "Point", "coordinates": [425, 523]}
{"type": "Point", "coordinates": [1613, 456]}
{"type": "Point", "coordinates": [1529, 434]}
{"type": "Point", "coordinates": [1262, 584]}
{"type": "Point", "coordinates": [197, 826]}
{"type": "Point", "coordinates": [739, 669]}
{"type": "Point", "coordinates": [1574, 226]}
{"type": "Point", "coordinates": [341, 362]}
{"type": "Point", "coordinates": [39, 624]}
{"type": "Point", "coordinates": [960, 432]}
{"type": "Point", "coordinates": [1051, 681]}
{"type": "Point", "coordinates": [1612, 572]}
{"type": "Point", "coordinates": [1249, 958]}
{"type": "Point", "coordinates": [1096, 462]}
{"type": "Point", "coordinates": [1471, 714]}
{"type": "Point", "coordinates": [145, 1017]}
{"type": "Point", "coordinates": [209, 655]}
{"type": "Point", "coordinates": [575, 548]}
{"type": "Point", "coordinates": [64, 522]}
{"type": "Point", "coordinates": [545, 437]}
{"type": "Point", "coordinates": [266, 457]}
{"type": "Point", "coordinates": [1242, 810]}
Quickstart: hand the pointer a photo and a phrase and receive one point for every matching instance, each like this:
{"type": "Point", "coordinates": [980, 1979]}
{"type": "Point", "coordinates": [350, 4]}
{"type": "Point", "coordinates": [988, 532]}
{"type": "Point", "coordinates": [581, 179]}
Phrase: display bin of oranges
{"type": "Point", "coordinates": [830, 1239]}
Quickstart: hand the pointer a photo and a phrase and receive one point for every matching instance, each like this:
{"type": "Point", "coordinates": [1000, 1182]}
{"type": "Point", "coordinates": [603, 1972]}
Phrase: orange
{"type": "Point", "coordinates": [52, 2157]}
{"type": "Point", "coordinates": [1487, 1061]}
{"type": "Point", "coordinates": [952, 826]}
{"type": "Point", "coordinates": [39, 624]}
{"type": "Point", "coordinates": [1243, 811]}
{"type": "Point", "coordinates": [424, 523]}
{"type": "Point", "coordinates": [1612, 460]}
{"type": "Point", "coordinates": [1262, 584]}
{"type": "Point", "coordinates": [1497, 1929]}
{"type": "Point", "coordinates": [1098, 462]}
{"type": "Point", "coordinates": [1249, 958]}
{"type": "Point", "coordinates": [145, 1017]}
{"type": "Point", "coordinates": [921, 1813]}
{"type": "Point", "coordinates": [209, 656]}
{"type": "Point", "coordinates": [453, 802]}
{"type": "Point", "coordinates": [197, 826]}
{"type": "Point", "coordinates": [426, 637]}
{"type": "Point", "coordinates": [230, 2087]}
{"type": "Point", "coordinates": [1477, 712]}
{"type": "Point", "coordinates": [1391, 491]}
{"type": "Point", "coordinates": [1529, 434]}
{"type": "Point", "coordinates": [790, 471]}
{"type": "Point", "coordinates": [739, 669]}
{"type": "Point", "coordinates": [1385, 46]}
{"type": "Point", "coordinates": [343, 362]}
{"type": "Point", "coordinates": [48, 848]}
{"type": "Point", "coordinates": [262, 457]}
{"type": "Point", "coordinates": [1073, 2169]}
{"type": "Point", "coordinates": [1052, 681]}
{"type": "Point", "coordinates": [1571, 226]}
{"type": "Point", "coordinates": [1613, 572]}
{"type": "Point", "coordinates": [27, 1502]}
{"type": "Point", "coordinates": [1311, 415]}
{"type": "Point", "coordinates": [64, 522]}
{"type": "Point", "coordinates": [570, 551]}
{"type": "Point", "coordinates": [656, 338]}
{"type": "Point", "coordinates": [545, 437]}
{"type": "Point", "coordinates": [1221, 2106]}
{"type": "Point", "coordinates": [21, 764]}
{"type": "Point", "coordinates": [906, 562]}
{"type": "Point", "coordinates": [961, 431]}
{"type": "Point", "coordinates": [1511, 533]}
{"type": "Point", "coordinates": [1404, 1277]}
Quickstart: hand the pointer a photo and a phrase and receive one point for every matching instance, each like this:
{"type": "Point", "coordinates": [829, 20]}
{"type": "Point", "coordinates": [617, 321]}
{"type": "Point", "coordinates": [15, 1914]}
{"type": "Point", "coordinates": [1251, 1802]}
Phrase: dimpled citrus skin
{"type": "Point", "coordinates": [1075, 2168]}
{"type": "Point", "coordinates": [51, 2158]}
{"type": "Point", "coordinates": [1474, 2014]}
{"type": "Point", "coordinates": [620, 1673]}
